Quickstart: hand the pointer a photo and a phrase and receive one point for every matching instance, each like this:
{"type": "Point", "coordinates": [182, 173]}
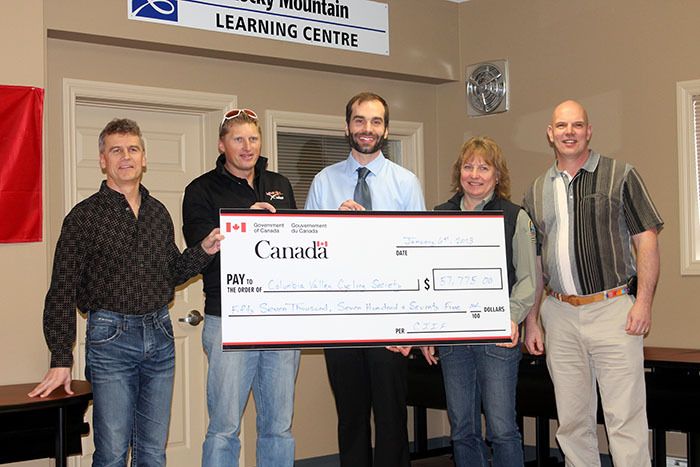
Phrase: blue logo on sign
{"type": "Point", "coordinates": [165, 10]}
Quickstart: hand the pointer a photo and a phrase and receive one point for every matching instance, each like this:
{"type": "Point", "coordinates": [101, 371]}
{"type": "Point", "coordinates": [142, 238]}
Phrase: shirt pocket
{"type": "Point", "coordinates": [599, 207]}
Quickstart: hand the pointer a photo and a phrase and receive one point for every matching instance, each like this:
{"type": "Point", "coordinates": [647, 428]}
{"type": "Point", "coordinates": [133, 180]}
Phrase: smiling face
{"type": "Point", "coordinates": [241, 146]}
{"type": "Point", "coordinates": [477, 178]}
{"type": "Point", "coordinates": [366, 130]}
{"type": "Point", "coordinates": [123, 160]}
{"type": "Point", "coordinates": [570, 131]}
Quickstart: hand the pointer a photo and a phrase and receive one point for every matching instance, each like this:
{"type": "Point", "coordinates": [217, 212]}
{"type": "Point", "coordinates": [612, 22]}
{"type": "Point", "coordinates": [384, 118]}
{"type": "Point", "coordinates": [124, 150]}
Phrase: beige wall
{"type": "Point", "coordinates": [24, 271]}
{"type": "Point", "coordinates": [621, 60]}
{"type": "Point", "coordinates": [23, 276]}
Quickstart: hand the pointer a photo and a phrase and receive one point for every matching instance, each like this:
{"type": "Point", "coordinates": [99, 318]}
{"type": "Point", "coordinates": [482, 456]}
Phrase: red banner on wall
{"type": "Point", "coordinates": [20, 163]}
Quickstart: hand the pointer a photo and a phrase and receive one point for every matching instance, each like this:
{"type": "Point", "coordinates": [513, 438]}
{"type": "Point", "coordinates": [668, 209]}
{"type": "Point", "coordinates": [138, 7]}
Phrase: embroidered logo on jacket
{"type": "Point", "coordinates": [276, 195]}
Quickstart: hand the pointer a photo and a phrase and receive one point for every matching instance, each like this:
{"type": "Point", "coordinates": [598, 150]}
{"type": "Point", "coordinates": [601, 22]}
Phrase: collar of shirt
{"type": "Point", "coordinates": [590, 165]}
{"type": "Point", "coordinates": [481, 205]}
{"type": "Point", "coordinates": [260, 166]}
{"type": "Point", "coordinates": [375, 166]}
{"type": "Point", "coordinates": [117, 197]}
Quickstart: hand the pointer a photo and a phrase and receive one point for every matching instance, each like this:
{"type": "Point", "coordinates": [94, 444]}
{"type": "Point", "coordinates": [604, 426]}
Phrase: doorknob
{"type": "Point", "coordinates": [193, 318]}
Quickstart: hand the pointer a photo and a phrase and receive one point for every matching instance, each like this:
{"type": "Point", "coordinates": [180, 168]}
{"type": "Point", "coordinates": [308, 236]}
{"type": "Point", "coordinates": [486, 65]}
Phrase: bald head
{"type": "Point", "coordinates": [569, 132]}
{"type": "Point", "coordinates": [568, 108]}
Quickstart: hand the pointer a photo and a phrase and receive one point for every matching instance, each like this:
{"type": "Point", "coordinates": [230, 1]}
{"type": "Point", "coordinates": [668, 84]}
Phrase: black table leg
{"type": "Point", "coordinates": [542, 437]}
{"type": "Point", "coordinates": [61, 438]}
{"type": "Point", "coordinates": [693, 449]}
{"type": "Point", "coordinates": [659, 443]}
{"type": "Point", "coordinates": [420, 430]}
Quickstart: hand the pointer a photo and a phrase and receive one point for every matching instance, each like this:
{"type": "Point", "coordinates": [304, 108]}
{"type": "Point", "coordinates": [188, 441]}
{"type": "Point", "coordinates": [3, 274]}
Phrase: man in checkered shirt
{"type": "Point", "coordinates": [117, 261]}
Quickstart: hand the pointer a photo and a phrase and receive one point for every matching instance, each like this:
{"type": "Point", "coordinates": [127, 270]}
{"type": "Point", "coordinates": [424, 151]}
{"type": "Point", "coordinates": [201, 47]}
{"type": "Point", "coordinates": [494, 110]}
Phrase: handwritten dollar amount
{"type": "Point", "coordinates": [465, 279]}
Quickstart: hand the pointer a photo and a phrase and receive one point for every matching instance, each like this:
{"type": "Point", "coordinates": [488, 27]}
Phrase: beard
{"type": "Point", "coordinates": [377, 146]}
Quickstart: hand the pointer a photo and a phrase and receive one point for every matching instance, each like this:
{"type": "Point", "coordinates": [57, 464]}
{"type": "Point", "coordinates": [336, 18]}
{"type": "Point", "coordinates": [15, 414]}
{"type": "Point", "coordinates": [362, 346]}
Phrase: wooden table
{"type": "Point", "coordinates": [36, 428]}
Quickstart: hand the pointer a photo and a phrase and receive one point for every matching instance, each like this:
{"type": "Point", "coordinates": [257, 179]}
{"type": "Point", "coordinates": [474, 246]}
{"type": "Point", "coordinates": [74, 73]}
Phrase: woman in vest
{"type": "Point", "coordinates": [485, 376]}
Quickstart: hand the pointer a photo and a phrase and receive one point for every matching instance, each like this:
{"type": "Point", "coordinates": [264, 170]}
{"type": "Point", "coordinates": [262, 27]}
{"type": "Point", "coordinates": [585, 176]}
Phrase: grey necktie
{"type": "Point", "coordinates": [362, 195]}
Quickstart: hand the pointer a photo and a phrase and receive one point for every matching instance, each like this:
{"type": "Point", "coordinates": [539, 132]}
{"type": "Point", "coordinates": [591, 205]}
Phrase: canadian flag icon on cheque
{"type": "Point", "coordinates": [235, 227]}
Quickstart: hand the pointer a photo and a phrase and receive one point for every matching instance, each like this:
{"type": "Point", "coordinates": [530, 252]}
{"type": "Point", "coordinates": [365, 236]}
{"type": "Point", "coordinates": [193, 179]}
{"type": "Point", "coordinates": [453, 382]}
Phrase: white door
{"type": "Point", "coordinates": [180, 145]}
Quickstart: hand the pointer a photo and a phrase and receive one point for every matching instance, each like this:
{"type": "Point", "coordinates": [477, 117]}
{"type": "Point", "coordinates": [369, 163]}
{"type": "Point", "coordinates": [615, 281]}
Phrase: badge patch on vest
{"type": "Point", "coordinates": [275, 195]}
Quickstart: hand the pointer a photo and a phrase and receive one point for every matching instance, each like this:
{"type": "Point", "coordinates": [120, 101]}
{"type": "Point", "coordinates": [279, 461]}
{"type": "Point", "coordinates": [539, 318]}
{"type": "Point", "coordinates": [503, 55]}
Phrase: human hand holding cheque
{"type": "Point", "coordinates": [297, 279]}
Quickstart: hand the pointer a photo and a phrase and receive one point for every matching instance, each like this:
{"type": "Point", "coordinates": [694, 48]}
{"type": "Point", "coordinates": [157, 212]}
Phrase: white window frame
{"type": "Point", "coordinates": [687, 178]}
{"type": "Point", "coordinates": [409, 134]}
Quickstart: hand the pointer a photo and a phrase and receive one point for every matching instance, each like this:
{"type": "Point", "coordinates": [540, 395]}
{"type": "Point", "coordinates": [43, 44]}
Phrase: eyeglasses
{"type": "Point", "coordinates": [233, 113]}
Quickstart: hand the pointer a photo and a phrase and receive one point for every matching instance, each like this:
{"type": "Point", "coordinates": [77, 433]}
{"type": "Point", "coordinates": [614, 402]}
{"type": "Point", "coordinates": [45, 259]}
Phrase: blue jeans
{"type": "Point", "coordinates": [131, 365]}
{"type": "Point", "coordinates": [271, 374]}
{"type": "Point", "coordinates": [476, 376]}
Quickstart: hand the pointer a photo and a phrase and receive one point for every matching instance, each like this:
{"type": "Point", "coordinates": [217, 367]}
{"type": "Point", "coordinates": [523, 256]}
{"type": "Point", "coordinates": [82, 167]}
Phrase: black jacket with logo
{"type": "Point", "coordinates": [217, 189]}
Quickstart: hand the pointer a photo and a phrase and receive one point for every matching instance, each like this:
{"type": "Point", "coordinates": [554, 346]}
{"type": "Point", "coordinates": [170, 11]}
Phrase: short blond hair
{"type": "Point", "coordinates": [240, 119]}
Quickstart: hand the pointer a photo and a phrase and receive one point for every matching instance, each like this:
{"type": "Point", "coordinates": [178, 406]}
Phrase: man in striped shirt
{"type": "Point", "coordinates": [597, 233]}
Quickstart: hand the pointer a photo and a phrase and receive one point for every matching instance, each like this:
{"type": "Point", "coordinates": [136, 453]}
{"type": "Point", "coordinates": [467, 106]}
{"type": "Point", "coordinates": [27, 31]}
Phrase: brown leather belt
{"type": "Point", "coordinates": [578, 300]}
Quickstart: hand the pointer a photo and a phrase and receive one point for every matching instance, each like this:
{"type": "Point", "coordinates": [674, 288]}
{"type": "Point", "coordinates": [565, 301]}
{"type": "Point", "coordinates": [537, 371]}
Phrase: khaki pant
{"type": "Point", "coordinates": [588, 343]}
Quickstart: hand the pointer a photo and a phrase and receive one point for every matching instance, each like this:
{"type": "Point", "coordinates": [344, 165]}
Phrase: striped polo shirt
{"type": "Point", "coordinates": [585, 224]}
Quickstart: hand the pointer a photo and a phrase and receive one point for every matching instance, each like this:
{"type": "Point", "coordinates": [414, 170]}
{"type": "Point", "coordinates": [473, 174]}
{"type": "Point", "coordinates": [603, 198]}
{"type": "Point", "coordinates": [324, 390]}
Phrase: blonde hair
{"type": "Point", "coordinates": [490, 152]}
{"type": "Point", "coordinates": [240, 119]}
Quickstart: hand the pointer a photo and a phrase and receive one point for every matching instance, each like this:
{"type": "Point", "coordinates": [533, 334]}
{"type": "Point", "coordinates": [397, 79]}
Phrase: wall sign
{"type": "Point", "coordinates": [357, 25]}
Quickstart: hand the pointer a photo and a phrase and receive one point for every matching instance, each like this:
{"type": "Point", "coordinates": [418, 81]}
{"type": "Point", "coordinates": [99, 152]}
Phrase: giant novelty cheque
{"type": "Point", "coordinates": [298, 279]}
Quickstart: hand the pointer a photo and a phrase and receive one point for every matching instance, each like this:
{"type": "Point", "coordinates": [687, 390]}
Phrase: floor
{"type": "Point", "coordinates": [446, 461]}
{"type": "Point", "coordinates": [438, 461]}
{"type": "Point", "coordinates": [441, 461]}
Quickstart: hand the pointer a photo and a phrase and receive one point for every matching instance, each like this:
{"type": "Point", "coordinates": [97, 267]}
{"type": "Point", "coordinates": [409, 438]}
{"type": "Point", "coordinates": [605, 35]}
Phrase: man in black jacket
{"type": "Point", "coordinates": [241, 180]}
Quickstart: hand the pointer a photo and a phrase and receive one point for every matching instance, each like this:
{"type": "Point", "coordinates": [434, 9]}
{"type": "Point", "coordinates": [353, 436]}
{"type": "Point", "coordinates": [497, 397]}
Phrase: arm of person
{"type": "Point", "coordinates": [514, 336]}
{"type": "Point", "coordinates": [402, 349]}
{"type": "Point", "coordinates": [264, 206]}
{"type": "Point", "coordinates": [60, 303]}
{"type": "Point", "coordinates": [189, 263]}
{"type": "Point", "coordinates": [54, 378]}
{"type": "Point", "coordinates": [534, 337]}
{"type": "Point", "coordinates": [428, 352]}
{"type": "Point", "coordinates": [522, 296]}
{"type": "Point", "coordinates": [414, 196]}
{"type": "Point", "coordinates": [212, 242]}
{"type": "Point", "coordinates": [290, 194]}
{"type": "Point", "coordinates": [199, 215]}
{"type": "Point", "coordinates": [639, 316]}
{"type": "Point", "coordinates": [351, 205]}
{"type": "Point", "coordinates": [313, 197]}
{"type": "Point", "coordinates": [200, 218]}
